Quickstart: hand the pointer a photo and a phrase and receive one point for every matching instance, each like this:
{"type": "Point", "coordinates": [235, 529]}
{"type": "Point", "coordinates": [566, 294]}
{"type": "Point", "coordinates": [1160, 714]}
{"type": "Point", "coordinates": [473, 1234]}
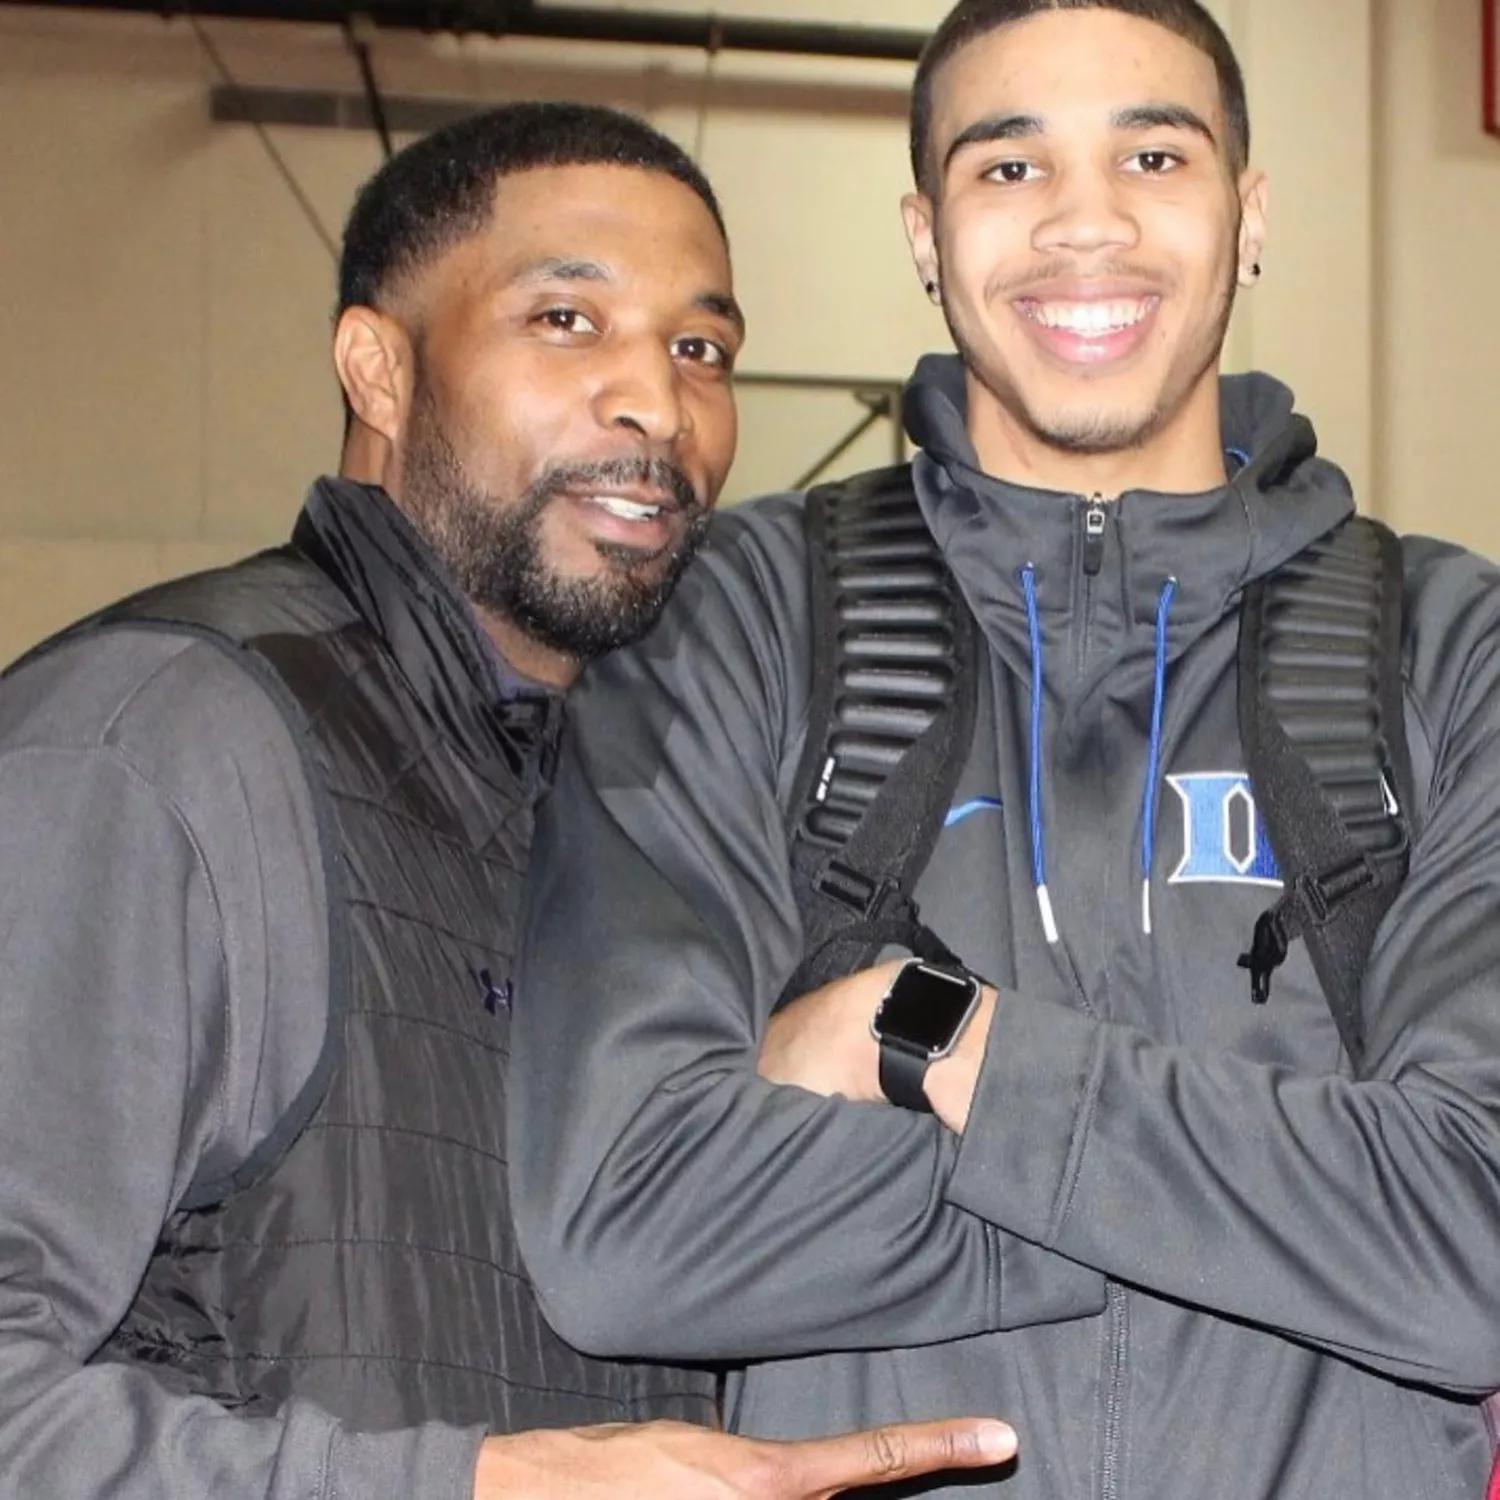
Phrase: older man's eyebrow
{"type": "Point", "coordinates": [722, 305]}
{"type": "Point", "coordinates": [994, 128]}
{"type": "Point", "coordinates": [1163, 117]}
{"type": "Point", "coordinates": [567, 268]}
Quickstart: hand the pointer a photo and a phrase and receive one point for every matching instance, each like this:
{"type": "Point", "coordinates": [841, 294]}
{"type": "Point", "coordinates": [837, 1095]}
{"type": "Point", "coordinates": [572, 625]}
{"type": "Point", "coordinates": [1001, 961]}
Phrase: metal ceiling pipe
{"type": "Point", "coordinates": [710, 33]}
{"type": "Point", "coordinates": [500, 18]}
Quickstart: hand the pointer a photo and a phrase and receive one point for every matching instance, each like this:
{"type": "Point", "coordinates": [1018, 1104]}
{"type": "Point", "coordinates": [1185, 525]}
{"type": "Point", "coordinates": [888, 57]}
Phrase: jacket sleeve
{"type": "Point", "coordinates": [123, 1057]}
{"type": "Point", "coordinates": [669, 1203]}
{"type": "Point", "coordinates": [1361, 1215]}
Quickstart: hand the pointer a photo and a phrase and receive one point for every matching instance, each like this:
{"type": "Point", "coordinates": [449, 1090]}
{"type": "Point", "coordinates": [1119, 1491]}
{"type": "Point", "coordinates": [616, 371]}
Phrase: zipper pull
{"type": "Point", "coordinates": [1094, 517]}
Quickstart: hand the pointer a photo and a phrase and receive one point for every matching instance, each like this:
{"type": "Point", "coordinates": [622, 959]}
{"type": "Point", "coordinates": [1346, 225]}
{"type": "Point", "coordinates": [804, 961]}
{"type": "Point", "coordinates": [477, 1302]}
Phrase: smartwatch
{"type": "Point", "coordinates": [921, 1018]}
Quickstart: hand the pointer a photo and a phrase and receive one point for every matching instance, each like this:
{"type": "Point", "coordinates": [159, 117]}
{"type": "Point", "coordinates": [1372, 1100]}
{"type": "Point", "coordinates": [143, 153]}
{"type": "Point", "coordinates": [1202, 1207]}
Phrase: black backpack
{"type": "Point", "coordinates": [892, 714]}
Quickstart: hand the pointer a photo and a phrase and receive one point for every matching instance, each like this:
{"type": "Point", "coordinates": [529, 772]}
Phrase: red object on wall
{"type": "Point", "coordinates": [1491, 65]}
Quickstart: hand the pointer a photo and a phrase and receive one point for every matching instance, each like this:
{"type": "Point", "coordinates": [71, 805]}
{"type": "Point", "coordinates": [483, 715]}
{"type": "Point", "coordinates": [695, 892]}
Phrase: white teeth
{"type": "Point", "coordinates": [1089, 317]}
{"type": "Point", "coordinates": [628, 510]}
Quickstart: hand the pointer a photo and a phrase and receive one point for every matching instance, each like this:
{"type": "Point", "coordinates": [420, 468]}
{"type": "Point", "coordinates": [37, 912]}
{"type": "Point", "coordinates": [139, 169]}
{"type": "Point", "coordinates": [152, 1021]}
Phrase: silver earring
{"type": "Point", "coordinates": [932, 288]}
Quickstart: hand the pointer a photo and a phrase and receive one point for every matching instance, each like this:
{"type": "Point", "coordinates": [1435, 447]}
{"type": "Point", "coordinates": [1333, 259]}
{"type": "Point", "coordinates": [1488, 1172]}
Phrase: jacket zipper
{"type": "Point", "coordinates": [1095, 523]}
{"type": "Point", "coordinates": [1094, 518]}
{"type": "Point", "coordinates": [1095, 526]}
{"type": "Point", "coordinates": [1114, 1395]}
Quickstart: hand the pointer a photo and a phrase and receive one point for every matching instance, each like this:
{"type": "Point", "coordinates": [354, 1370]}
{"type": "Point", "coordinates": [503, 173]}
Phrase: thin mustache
{"type": "Point", "coordinates": [658, 473]}
{"type": "Point", "coordinates": [1015, 286]}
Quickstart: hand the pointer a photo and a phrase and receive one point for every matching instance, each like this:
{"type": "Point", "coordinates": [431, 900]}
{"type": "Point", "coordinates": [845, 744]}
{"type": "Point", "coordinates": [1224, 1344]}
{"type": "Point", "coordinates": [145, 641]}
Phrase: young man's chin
{"type": "Point", "coordinates": [1087, 424]}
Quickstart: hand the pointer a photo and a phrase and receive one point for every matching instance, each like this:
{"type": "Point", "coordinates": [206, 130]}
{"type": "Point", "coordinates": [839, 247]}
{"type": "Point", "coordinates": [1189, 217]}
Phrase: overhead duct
{"type": "Point", "coordinates": [501, 18]}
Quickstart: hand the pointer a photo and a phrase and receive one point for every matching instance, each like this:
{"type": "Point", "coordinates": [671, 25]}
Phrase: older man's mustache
{"type": "Point", "coordinates": [618, 473]}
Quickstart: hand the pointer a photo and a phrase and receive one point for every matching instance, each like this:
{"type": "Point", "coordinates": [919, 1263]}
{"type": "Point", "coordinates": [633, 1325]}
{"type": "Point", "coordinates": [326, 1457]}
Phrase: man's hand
{"type": "Point", "coordinates": [822, 1042]}
{"type": "Point", "coordinates": [673, 1461]}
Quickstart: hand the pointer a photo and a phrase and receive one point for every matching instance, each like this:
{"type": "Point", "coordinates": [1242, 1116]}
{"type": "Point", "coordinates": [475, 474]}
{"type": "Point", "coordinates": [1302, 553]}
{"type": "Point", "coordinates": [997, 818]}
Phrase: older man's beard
{"type": "Point", "coordinates": [495, 550]}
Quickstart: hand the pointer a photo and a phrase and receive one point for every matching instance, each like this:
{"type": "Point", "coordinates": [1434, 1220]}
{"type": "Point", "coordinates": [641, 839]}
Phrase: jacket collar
{"type": "Point", "coordinates": [1280, 499]}
{"type": "Point", "coordinates": [506, 726]}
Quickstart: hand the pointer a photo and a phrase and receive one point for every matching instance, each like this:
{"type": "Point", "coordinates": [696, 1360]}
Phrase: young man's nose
{"type": "Point", "coordinates": [1089, 211]}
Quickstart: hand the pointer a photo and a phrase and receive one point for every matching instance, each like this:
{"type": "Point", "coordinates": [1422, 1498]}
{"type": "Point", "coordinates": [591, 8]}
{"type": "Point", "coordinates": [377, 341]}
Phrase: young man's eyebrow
{"type": "Point", "coordinates": [1163, 117]}
{"type": "Point", "coordinates": [1136, 117]}
{"type": "Point", "coordinates": [561, 268]}
{"type": "Point", "coordinates": [993, 128]}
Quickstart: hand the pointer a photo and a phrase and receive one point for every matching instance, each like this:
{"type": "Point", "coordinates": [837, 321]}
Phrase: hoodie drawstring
{"type": "Point", "coordinates": [1153, 767]}
{"type": "Point", "coordinates": [1153, 764]}
{"type": "Point", "coordinates": [1038, 836]}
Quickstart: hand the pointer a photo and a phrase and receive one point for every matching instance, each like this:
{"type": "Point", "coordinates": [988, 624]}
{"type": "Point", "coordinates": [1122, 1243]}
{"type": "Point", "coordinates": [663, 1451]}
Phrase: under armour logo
{"type": "Point", "coordinates": [496, 997]}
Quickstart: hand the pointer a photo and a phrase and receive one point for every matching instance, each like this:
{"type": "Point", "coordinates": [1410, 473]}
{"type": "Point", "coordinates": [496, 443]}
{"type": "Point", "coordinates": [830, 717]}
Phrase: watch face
{"type": "Point", "coordinates": [925, 1007]}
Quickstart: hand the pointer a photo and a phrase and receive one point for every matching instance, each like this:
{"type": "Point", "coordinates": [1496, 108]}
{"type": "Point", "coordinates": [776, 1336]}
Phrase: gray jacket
{"type": "Point", "coordinates": [163, 1000]}
{"type": "Point", "coordinates": [1179, 1246]}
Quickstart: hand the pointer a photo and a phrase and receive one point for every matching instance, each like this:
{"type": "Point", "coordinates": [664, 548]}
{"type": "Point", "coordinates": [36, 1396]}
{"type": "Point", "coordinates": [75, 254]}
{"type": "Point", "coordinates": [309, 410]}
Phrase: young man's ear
{"type": "Point", "coordinates": [1252, 249]}
{"type": "Point", "coordinates": [918, 215]}
{"type": "Point", "coordinates": [372, 354]}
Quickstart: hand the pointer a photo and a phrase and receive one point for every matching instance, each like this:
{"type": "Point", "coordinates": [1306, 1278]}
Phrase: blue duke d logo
{"type": "Point", "coordinates": [1223, 837]}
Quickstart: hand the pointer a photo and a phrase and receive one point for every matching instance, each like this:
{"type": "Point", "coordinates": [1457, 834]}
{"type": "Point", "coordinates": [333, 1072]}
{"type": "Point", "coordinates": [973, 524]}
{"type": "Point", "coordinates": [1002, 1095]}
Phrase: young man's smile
{"type": "Point", "coordinates": [1088, 325]}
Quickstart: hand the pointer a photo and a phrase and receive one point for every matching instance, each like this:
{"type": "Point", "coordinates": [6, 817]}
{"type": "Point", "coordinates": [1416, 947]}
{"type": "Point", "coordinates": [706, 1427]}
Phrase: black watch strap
{"type": "Point", "coordinates": [902, 1075]}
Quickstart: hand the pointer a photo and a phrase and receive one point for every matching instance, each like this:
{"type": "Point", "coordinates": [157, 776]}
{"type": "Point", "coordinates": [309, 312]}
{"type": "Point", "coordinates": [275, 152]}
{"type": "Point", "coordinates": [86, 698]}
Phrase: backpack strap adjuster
{"type": "Point", "coordinates": [1322, 894]}
{"type": "Point", "coordinates": [854, 889]}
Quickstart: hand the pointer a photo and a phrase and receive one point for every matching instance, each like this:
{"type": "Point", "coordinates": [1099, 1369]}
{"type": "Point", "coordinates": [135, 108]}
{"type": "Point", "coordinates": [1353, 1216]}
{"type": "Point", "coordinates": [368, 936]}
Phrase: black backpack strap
{"type": "Point", "coordinates": [890, 721]}
{"type": "Point", "coordinates": [1323, 725]}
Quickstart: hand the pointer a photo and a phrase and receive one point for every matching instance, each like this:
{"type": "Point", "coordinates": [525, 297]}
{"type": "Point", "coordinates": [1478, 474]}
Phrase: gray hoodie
{"type": "Point", "coordinates": [1179, 1245]}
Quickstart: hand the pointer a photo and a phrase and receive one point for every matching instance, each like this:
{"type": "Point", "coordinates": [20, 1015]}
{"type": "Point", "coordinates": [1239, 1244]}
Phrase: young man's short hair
{"type": "Point", "coordinates": [971, 19]}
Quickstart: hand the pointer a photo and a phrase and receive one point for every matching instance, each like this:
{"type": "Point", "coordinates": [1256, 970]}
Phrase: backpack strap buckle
{"type": "Point", "coordinates": [1307, 905]}
{"type": "Point", "coordinates": [1267, 953]}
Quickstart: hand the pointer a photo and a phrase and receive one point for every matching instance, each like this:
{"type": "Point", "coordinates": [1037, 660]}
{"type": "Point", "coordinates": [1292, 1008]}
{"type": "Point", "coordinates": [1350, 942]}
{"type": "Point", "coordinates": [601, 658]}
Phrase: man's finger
{"type": "Point", "coordinates": [901, 1451]}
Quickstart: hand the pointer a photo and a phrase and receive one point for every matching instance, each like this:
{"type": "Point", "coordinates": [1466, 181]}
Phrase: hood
{"type": "Point", "coordinates": [1281, 498]}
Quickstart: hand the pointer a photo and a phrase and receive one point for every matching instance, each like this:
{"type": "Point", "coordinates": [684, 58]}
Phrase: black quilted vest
{"type": "Point", "coordinates": [364, 1260]}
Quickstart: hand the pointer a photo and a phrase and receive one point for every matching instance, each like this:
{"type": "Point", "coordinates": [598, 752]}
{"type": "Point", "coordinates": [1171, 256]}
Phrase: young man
{"type": "Point", "coordinates": [1175, 1236]}
{"type": "Point", "coordinates": [265, 835]}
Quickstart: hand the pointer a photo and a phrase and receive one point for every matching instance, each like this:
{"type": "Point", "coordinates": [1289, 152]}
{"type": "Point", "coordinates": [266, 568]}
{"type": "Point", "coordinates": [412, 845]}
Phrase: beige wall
{"type": "Point", "coordinates": [1310, 320]}
{"type": "Point", "coordinates": [1437, 198]}
{"type": "Point", "coordinates": [164, 395]}
{"type": "Point", "coordinates": [164, 391]}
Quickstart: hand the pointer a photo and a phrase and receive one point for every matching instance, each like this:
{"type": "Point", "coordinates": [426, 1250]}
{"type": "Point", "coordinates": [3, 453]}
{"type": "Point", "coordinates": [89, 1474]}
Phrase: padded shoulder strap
{"type": "Point", "coordinates": [1324, 731]}
{"type": "Point", "coordinates": [890, 721]}
{"type": "Point", "coordinates": [252, 612]}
